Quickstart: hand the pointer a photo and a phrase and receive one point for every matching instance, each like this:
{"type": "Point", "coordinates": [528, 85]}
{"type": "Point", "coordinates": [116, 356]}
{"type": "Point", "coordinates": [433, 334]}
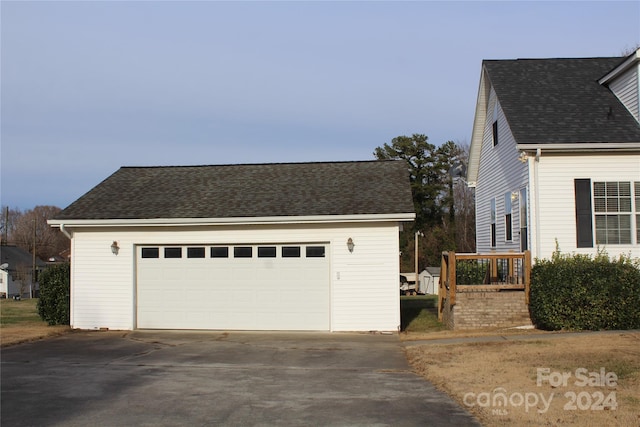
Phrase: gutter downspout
{"type": "Point", "coordinates": [65, 232]}
{"type": "Point", "coordinates": [537, 198]}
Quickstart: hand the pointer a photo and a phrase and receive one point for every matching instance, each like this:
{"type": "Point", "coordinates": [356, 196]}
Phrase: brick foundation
{"type": "Point", "coordinates": [486, 309]}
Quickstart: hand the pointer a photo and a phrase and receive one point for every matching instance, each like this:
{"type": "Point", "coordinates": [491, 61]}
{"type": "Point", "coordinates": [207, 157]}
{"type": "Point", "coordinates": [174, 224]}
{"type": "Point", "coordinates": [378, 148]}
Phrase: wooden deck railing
{"type": "Point", "coordinates": [483, 272]}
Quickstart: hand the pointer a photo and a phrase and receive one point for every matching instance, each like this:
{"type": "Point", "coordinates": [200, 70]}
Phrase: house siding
{"type": "Point", "coordinates": [557, 201]}
{"type": "Point", "coordinates": [499, 172]}
{"type": "Point", "coordinates": [627, 88]}
{"type": "Point", "coordinates": [363, 284]}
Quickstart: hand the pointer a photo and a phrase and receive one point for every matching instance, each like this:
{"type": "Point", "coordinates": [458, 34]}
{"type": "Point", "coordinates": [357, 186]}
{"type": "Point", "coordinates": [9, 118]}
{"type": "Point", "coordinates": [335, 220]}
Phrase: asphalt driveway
{"type": "Point", "coordinates": [216, 378]}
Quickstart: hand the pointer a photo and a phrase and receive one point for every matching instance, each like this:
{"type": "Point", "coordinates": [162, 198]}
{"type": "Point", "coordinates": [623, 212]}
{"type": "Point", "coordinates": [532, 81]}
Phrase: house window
{"type": "Point", "coordinates": [266, 251]}
{"type": "Point", "coordinates": [508, 218]}
{"type": "Point", "coordinates": [524, 221]}
{"type": "Point", "coordinates": [242, 252]}
{"type": "Point", "coordinates": [195, 252]}
{"type": "Point", "coordinates": [637, 194]}
{"type": "Point", "coordinates": [493, 223]}
{"type": "Point", "coordinates": [150, 252]}
{"type": "Point", "coordinates": [220, 252]}
{"type": "Point", "coordinates": [613, 208]}
{"type": "Point", "coordinates": [495, 123]}
{"type": "Point", "coordinates": [173, 252]}
{"type": "Point", "coordinates": [291, 252]}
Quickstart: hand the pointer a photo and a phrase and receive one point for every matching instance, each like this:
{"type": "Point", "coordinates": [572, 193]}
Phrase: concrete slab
{"type": "Point", "coordinates": [217, 378]}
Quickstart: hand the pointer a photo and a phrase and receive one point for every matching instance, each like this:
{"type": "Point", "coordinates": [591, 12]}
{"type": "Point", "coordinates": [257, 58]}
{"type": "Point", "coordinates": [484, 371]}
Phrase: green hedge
{"type": "Point", "coordinates": [53, 305]}
{"type": "Point", "coordinates": [578, 292]}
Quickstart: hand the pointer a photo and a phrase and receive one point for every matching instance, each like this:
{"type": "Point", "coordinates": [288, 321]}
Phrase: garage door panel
{"type": "Point", "coordinates": [272, 293]}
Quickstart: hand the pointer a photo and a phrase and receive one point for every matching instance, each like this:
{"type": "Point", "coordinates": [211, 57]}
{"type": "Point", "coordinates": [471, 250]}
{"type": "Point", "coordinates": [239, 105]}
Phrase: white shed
{"type": "Point", "coordinates": [430, 280]}
{"type": "Point", "coordinates": [297, 246]}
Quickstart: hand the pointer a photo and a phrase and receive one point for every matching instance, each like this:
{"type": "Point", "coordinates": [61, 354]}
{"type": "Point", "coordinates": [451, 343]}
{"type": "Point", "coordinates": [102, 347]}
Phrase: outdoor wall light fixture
{"type": "Point", "coordinates": [115, 248]}
{"type": "Point", "coordinates": [350, 244]}
{"type": "Point", "coordinates": [523, 157]}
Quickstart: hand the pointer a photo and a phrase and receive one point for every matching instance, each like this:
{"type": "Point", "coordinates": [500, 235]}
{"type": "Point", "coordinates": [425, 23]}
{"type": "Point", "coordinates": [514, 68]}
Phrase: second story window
{"type": "Point", "coordinates": [495, 133]}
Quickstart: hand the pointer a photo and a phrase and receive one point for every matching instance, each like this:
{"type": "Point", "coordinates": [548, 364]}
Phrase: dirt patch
{"type": "Point", "coordinates": [11, 335]}
{"type": "Point", "coordinates": [447, 333]}
{"type": "Point", "coordinates": [522, 383]}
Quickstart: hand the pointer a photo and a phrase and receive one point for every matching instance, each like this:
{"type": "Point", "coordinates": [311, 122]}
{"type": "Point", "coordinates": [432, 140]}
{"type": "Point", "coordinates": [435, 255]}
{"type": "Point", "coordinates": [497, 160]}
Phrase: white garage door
{"type": "Point", "coordinates": [245, 287]}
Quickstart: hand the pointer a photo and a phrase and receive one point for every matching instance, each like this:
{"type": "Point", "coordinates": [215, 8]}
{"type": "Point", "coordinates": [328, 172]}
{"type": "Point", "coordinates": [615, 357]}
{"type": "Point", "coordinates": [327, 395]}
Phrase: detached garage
{"type": "Point", "coordinates": [291, 246]}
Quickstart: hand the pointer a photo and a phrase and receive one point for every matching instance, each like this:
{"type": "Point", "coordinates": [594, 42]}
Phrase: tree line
{"type": "Point", "coordinates": [444, 205]}
{"type": "Point", "coordinates": [29, 229]}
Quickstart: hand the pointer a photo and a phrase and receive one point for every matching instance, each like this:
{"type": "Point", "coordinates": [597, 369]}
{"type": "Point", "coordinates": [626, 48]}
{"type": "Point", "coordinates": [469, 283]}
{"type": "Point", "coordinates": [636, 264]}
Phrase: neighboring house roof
{"type": "Point", "coordinates": [249, 190]}
{"type": "Point", "coordinates": [548, 101]}
{"type": "Point", "coordinates": [15, 256]}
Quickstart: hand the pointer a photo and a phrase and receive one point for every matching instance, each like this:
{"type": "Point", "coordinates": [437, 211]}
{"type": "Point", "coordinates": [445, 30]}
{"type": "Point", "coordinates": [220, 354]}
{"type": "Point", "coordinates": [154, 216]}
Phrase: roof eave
{"type": "Point", "coordinates": [631, 59]}
{"type": "Point", "coordinates": [177, 222]}
{"type": "Point", "coordinates": [581, 146]}
{"type": "Point", "coordinates": [477, 135]}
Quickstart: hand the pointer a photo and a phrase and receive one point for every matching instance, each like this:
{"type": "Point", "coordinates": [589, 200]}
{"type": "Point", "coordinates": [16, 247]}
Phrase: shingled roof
{"type": "Point", "coordinates": [547, 101]}
{"type": "Point", "coordinates": [249, 190]}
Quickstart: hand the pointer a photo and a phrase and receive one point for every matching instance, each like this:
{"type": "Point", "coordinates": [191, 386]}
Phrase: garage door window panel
{"type": "Point", "coordinates": [195, 252]}
{"type": "Point", "coordinates": [291, 252]}
{"type": "Point", "coordinates": [315, 251]}
{"type": "Point", "coordinates": [242, 252]}
{"type": "Point", "coordinates": [150, 252]}
{"type": "Point", "coordinates": [266, 251]}
{"type": "Point", "coordinates": [173, 252]}
{"type": "Point", "coordinates": [220, 252]}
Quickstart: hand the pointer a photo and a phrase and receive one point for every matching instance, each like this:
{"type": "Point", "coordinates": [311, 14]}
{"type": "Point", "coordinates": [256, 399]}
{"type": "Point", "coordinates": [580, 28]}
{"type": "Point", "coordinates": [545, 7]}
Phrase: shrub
{"type": "Point", "coordinates": [471, 271]}
{"type": "Point", "coordinates": [53, 305]}
{"type": "Point", "coordinates": [579, 292]}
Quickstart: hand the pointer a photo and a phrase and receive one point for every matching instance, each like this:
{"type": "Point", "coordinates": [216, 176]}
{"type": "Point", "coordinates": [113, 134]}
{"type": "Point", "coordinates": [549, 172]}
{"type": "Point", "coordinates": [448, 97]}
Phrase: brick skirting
{"type": "Point", "coordinates": [486, 309]}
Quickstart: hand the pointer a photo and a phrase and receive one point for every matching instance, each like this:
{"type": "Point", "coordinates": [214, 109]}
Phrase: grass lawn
{"type": "Point", "coordinates": [476, 374]}
{"type": "Point", "coordinates": [20, 322]}
{"type": "Point", "coordinates": [419, 314]}
{"type": "Point", "coordinates": [13, 312]}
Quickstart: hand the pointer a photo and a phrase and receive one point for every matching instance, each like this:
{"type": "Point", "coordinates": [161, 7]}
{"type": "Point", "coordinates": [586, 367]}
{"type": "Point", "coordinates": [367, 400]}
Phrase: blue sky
{"type": "Point", "coordinates": [87, 87]}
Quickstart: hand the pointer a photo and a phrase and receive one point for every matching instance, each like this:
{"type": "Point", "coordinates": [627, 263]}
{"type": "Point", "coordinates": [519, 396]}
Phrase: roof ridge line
{"type": "Point", "coordinates": [258, 164]}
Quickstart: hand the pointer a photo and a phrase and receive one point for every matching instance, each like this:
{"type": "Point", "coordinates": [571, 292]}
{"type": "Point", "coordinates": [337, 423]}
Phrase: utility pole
{"type": "Point", "coordinates": [418, 234]}
{"type": "Point", "coordinates": [33, 271]}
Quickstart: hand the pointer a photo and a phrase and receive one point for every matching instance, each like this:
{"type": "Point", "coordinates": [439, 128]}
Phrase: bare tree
{"type": "Point", "coordinates": [465, 208]}
{"type": "Point", "coordinates": [8, 219]}
{"type": "Point", "coordinates": [30, 229]}
{"type": "Point", "coordinates": [23, 275]}
{"type": "Point", "coordinates": [629, 50]}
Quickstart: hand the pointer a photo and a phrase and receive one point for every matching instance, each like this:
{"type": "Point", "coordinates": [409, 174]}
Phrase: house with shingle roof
{"type": "Point", "coordinates": [289, 246]}
{"type": "Point", "coordinates": [555, 156]}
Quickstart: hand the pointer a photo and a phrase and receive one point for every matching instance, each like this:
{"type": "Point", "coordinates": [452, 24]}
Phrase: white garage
{"type": "Point", "coordinates": [250, 287]}
{"type": "Point", "coordinates": [290, 246]}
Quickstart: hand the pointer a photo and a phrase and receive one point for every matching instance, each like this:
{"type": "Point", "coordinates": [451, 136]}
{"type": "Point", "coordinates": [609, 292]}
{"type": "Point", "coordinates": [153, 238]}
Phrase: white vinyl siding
{"type": "Point", "coordinates": [499, 172]}
{"type": "Point", "coordinates": [363, 284]}
{"type": "Point", "coordinates": [556, 196]}
{"type": "Point", "coordinates": [627, 88]}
